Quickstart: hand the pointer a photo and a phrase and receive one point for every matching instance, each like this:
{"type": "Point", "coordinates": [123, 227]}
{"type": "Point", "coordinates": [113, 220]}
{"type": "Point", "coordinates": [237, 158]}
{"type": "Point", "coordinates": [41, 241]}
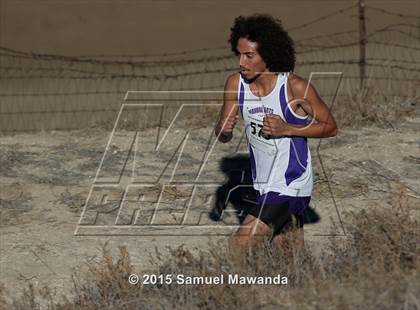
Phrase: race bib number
{"type": "Point", "coordinates": [260, 140]}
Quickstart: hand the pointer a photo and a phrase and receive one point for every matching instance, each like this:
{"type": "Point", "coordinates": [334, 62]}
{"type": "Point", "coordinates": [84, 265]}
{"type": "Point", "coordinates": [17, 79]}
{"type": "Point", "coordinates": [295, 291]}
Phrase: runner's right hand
{"type": "Point", "coordinates": [227, 124]}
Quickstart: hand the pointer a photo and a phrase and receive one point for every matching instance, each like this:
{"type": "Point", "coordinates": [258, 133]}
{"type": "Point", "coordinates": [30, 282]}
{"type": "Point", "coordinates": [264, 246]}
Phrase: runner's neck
{"type": "Point", "coordinates": [264, 84]}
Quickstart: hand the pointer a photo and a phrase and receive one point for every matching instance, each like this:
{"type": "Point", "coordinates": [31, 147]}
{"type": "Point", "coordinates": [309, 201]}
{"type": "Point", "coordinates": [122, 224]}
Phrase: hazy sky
{"type": "Point", "coordinates": [135, 27]}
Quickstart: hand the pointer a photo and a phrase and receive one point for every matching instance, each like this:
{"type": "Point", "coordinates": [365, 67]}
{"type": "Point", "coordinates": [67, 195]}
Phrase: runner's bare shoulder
{"type": "Point", "coordinates": [232, 82]}
{"type": "Point", "coordinates": [298, 85]}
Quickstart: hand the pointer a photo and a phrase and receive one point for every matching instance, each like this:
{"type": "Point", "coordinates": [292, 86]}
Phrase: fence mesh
{"type": "Point", "coordinates": [43, 91]}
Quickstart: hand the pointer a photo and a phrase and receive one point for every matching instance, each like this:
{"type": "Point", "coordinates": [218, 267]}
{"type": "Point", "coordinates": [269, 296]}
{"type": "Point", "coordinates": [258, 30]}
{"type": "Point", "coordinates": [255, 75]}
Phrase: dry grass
{"type": "Point", "coordinates": [376, 267]}
{"type": "Point", "coordinates": [371, 106]}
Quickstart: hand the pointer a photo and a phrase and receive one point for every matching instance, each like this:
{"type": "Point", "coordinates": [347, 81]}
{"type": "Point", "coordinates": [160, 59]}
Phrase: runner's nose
{"type": "Point", "coordinates": [242, 61]}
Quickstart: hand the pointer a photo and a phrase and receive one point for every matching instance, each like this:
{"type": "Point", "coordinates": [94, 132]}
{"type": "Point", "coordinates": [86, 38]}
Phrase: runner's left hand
{"type": "Point", "coordinates": [274, 125]}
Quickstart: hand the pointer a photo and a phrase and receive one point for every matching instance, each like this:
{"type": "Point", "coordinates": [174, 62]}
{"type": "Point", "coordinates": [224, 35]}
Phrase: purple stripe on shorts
{"type": "Point", "coordinates": [296, 204]}
{"type": "Point", "coordinates": [298, 159]}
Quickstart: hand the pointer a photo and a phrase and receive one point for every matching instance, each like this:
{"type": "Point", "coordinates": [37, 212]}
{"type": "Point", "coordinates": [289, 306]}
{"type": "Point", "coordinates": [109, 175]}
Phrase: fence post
{"type": "Point", "coordinates": [362, 42]}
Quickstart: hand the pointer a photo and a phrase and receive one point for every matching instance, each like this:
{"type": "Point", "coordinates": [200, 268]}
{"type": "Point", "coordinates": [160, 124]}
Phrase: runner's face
{"type": "Point", "coordinates": [250, 61]}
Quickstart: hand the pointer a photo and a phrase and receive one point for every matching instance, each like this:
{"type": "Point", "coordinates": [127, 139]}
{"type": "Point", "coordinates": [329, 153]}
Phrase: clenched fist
{"type": "Point", "coordinates": [227, 124]}
{"type": "Point", "coordinates": [274, 125]}
{"type": "Point", "coordinates": [225, 127]}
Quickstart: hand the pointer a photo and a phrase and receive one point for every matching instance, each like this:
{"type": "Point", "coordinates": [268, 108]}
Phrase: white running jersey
{"type": "Point", "coordinates": [279, 164]}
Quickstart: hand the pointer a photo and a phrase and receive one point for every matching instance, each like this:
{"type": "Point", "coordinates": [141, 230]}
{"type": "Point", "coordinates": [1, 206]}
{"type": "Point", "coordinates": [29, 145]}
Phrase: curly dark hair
{"type": "Point", "coordinates": [274, 44]}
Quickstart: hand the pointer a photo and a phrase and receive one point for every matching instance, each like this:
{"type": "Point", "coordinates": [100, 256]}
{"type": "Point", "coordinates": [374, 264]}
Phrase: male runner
{"type": "Point", "coordinates": [275, 105]}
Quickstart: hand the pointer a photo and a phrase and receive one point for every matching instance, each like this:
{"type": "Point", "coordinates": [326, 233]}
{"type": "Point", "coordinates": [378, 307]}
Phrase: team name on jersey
{"type": "Point", "coordinates": [260, 110]}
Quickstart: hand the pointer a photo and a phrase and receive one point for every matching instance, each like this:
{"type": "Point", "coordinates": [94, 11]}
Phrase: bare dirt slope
{"type": "Point", "coordinates": [45, 180]}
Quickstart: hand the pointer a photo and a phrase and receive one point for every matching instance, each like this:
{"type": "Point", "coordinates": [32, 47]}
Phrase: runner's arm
{"type": "Point", "coordinates": [305, 96]}
{"type": "Point", "coordinates": [324, 124]}
{"type": "Point", "coordinates": [228, 116]}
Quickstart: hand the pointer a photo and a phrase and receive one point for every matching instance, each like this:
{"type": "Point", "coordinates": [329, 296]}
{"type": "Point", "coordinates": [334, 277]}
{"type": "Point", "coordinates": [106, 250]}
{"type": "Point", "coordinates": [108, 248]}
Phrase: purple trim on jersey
{"type": "Point", "coordinates": [288, 115]}
{"type": "Point", "coordinates": [252, 159]}
{"type": "Point", "coordinates": [241, 98]}
{"type": "Point", "coordinates": [294, 168]}
{"type": "Point", "coordinates": [296, 204]}
{"type": "Point", "coordinates": [283, 102]}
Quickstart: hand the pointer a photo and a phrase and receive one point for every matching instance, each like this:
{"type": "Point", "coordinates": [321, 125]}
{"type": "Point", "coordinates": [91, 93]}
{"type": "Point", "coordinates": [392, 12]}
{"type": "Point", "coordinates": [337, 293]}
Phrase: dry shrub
{"type": "Point", "coordinates": [376, 267]}
{"type": "Point", "coordinates": [103, 283]}
{"type": "Point", "coordinates": [370, 105]}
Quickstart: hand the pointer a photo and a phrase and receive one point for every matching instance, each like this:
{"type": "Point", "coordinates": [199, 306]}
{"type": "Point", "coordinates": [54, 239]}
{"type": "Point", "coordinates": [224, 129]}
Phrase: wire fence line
{"type": "Point", "coordinates": [404, 16]}
{"type": "Point", "coordinates": [303, 46]}
{"type": "Point", "coordinates": [47, 91]}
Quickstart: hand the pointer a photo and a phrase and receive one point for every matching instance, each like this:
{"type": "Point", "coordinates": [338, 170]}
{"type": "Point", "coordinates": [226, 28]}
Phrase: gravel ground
{"type": "Point", "coordinates": [46, 179]}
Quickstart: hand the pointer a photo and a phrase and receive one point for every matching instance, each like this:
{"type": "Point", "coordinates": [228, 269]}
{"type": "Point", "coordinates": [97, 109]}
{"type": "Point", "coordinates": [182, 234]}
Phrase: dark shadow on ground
{"type": "Point", "coordinates": [238, 190]}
